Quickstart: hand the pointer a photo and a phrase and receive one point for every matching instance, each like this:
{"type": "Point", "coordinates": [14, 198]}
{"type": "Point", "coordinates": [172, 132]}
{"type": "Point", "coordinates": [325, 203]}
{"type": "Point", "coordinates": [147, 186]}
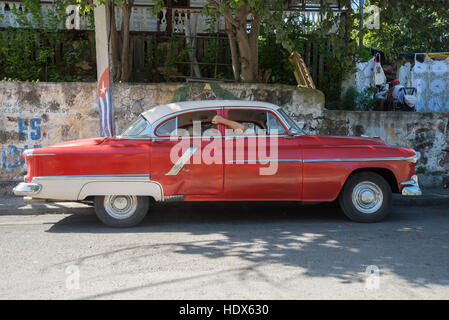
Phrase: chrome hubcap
{"type": "Point", "coordinates": [120, 207]}
{"type": "Point", "coordinates": [367, 197]}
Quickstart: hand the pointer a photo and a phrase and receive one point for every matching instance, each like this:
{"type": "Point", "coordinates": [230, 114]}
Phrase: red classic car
{"type": "Point", "coordinates": [219, 151]}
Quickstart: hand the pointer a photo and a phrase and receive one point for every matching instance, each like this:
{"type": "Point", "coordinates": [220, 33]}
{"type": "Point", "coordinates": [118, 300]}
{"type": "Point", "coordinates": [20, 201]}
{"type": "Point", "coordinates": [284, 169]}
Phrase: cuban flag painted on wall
{"type": "Point", "coordinates": [105, 106]}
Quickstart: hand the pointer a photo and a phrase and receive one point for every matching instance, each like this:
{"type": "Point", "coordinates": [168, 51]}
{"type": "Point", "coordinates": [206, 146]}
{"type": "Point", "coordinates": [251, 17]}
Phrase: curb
{"type": "Point", "coordinates": [11, 205]}
{"type": "Point", "coordinates": [420, 202]}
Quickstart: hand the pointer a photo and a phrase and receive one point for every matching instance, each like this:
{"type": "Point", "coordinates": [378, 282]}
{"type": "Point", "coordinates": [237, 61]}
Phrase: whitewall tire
{"type": "Point", "coordinates": [121, 210]}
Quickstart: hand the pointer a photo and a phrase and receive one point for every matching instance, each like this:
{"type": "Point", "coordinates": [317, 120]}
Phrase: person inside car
{"type": "Point", "coordinates": [234, 125]}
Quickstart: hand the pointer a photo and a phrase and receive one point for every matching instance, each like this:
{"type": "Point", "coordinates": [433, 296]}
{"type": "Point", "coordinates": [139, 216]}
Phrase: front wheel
{"type": "Point", "coordinates": [121, 210]}
{"type": "Point", "coordinates": [366, 197]}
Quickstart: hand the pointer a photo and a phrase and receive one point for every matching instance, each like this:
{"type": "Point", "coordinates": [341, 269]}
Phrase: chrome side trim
{"type": "Point", "coordinates": [27, 189]}
{"type": "Point", "coordinates": [175, 198]}
{"type": "Point", "coordinates": [96, 177]}
{"type": "Point", "coordinates": [326, 160]}
{"type": "Point", "coordinates": [362, 159]}
{"type": "Point", "coordinates": [411, 187]}
{"type": "Point", "coordinates": [253, 161]}
{"type": "Point", "coordinates": [182, 161]}
{"type": "Point", "coordinates": [30, 152]}
{"type": "Point", "coordinates": [210, 137]}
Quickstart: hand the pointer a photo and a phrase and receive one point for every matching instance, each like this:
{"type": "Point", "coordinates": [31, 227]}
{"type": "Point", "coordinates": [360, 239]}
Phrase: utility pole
{"type": "Point", "coordinates": [102, 16]}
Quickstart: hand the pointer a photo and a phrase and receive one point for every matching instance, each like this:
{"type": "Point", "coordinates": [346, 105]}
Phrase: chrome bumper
{"type": "Point", "coordinates": [27, 189]}
{"type": "Point", "coordinates": [411, 187]}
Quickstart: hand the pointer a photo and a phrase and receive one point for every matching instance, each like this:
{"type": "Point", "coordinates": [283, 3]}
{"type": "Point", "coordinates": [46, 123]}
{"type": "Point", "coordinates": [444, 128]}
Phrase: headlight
{"type": "Point", "coordinates": [416, 157]}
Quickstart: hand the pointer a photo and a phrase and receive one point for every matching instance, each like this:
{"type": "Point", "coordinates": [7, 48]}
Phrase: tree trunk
{"type": "Point", "coordinates": [348, 21]}
{"type": "Point", "coordinates": [254, 46]}
{"type": "Point", "coordinates": [233, 48]}
{"type": "Point", "coordinates": [125, 61]}
{"type": "Point", "coordinates": [246, 58]}
{"type": "Point", "coordinates": [115, 43]}
{"type": "Point", "coordinates": [191, 24]}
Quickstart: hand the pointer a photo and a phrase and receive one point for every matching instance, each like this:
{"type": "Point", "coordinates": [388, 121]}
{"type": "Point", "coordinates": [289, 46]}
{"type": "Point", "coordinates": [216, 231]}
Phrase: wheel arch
{"type": "Point", "coordinates": [151, 189]}
{"type": "Point", "coordinates": [385, 173]}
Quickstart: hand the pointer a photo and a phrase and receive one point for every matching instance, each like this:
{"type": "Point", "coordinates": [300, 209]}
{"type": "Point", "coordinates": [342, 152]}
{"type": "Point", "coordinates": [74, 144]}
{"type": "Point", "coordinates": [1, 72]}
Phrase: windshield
{"type": "Point", "coordinates": [140, 127]}
{"type": "Point", "coordinates": [291, 123]}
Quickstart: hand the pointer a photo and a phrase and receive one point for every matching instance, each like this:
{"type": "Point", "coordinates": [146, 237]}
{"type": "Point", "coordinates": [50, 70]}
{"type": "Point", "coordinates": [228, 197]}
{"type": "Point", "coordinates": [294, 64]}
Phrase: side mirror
{"type": "Point", "coordinates": [292, 132]}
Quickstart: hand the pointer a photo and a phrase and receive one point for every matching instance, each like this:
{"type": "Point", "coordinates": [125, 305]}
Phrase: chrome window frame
{"type": "Point", "coordinates": [176, 114]}
{"type": "Point", "coordinates": [156, 128]}
{"type": "Point", "coordinates": [155, 124]}
{"type": "Point", "coordinates": [274, 111]}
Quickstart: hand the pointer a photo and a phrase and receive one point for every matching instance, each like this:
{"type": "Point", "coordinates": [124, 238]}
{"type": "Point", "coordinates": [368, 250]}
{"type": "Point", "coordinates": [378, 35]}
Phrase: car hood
{"type": "Point", "coordinates": [350, 141]}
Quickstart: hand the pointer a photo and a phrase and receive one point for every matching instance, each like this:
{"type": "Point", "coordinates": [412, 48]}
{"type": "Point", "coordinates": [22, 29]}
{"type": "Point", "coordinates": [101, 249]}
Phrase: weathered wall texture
{"type": "Point", "coordinates": [131, 99]}
{"type": "Point", "coordinates": [34, 115]}
{"type": "Point", "coordinates": [427, 133]}
{"type": "Point", "coordinates": [40, 114]}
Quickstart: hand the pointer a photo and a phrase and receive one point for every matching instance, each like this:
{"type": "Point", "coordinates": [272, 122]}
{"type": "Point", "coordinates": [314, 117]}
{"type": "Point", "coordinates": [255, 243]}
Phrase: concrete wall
{"type": "Point", "coordinates": [427, 133]}
{"type": "Point", "coordinates": [40, 114]}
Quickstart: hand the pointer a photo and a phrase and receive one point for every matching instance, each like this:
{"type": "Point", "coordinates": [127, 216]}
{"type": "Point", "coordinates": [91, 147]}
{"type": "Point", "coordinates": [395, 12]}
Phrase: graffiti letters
{"type": "Point", "coordinates": [28, 130]}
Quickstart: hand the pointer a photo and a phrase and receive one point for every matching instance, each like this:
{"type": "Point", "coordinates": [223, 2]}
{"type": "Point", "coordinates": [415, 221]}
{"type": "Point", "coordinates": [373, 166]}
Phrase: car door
{"type": "Point", "coordinates": [265, 163]}
{"type": "Point", "coordinates": [186, 156]}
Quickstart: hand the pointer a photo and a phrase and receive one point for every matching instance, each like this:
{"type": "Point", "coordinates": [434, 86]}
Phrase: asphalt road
{"type": "Point", "coordinates": [223, 251]}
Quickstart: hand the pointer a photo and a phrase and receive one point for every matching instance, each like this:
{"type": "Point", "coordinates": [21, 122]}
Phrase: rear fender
{"type": "Point", "coordinates": [133, 188]}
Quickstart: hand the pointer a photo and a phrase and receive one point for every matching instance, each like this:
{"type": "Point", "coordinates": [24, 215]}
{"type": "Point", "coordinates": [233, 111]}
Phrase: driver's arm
{"type": "Point", "coordinates": [237, 127]}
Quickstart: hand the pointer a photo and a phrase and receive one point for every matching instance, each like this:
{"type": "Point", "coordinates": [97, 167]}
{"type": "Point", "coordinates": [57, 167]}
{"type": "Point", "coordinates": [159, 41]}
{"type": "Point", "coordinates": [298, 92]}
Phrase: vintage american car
{"type": "Point", "coordinates": [179, 152]}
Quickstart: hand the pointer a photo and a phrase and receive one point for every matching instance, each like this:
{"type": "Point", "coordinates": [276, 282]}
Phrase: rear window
{"type": "Point", "coordinates": [140, 127]}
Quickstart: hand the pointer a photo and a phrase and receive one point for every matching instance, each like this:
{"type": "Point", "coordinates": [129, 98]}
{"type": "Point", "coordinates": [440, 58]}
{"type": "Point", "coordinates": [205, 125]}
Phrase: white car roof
{"type": "Point", "coordinates": [158, 112]}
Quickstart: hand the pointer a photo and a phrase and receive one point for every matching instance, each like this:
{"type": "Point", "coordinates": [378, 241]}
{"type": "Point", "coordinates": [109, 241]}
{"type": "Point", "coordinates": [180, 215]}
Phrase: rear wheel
{"type": "Point", "coordinates": [121, 210]}
{"type": "Point", "coordinates": [366, 197]}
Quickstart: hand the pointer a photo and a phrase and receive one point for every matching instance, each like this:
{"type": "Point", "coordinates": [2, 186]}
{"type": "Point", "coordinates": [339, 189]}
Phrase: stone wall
{"type": "Point", "coordinates": [41, 114]}
{"type": "Point", "coordinates": [427, 133]}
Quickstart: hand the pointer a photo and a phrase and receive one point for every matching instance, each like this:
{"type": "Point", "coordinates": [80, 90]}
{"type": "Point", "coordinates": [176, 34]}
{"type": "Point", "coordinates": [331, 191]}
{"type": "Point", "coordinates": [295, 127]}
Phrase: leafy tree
{"type": "Point", "coordinates": [121, 50]}
{"type": "Point", "coordinates": [243, 19]}
{"type": "Point", "coordinates": [39, 49]}
{"type": "Point", "coordinates": [410, 26]}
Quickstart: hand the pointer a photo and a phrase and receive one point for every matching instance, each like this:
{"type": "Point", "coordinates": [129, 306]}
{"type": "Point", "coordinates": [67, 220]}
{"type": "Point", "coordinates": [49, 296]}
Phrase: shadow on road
{"type": "Point", "coordinates": [411, 243]}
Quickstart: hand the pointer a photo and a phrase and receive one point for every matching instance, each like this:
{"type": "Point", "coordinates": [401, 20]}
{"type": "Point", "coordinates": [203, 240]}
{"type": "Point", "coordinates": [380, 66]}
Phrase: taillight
{"type": "Point", "coordinates": [28, 155]}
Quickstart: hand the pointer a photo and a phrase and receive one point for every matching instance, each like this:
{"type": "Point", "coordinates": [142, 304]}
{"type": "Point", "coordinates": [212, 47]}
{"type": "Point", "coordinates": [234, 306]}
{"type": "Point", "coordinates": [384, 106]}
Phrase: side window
{"type": "Point", "coordinates": [167, 128]}
{"type": "Point", "coordinates": [257, 121]}
{"type": "Point", "coordinates": [189, 124]}
{"type": "Point", "coordinates": [274, 124]}
{"type": "Point", "coordinates": [254, 121]}
{"type": "Point", "coordinates": [197, 123]}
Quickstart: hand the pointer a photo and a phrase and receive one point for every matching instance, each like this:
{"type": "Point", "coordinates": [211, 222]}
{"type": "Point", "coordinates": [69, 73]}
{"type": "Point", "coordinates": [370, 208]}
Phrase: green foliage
{"type": "Point", "coordinates": [361, 101]}
{"type": "Point", "coordinates": [39, 49]}
{"type": "Point", "coordinates": [339, 57]}
{"type": "Point", "coordinates": [410, 26]}
{"type": "Point", "coordinates": [177, 51]}
{"type": "Point", "coordinates": [162, 57]}
{"type": "Point", "coordinates": [214, 49]}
